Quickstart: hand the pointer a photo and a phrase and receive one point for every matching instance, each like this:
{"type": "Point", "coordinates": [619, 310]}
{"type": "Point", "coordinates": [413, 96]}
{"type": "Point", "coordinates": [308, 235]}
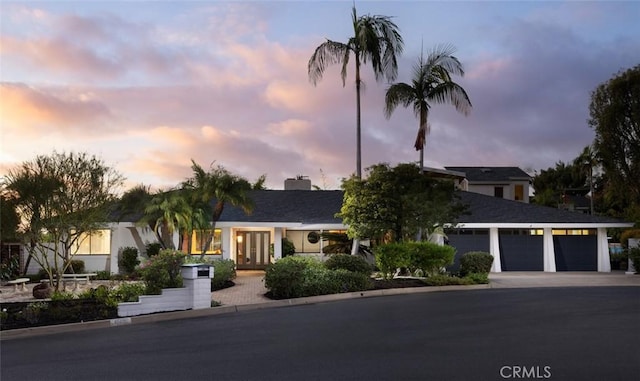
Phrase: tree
{"type": "Point", "coordinates": [393, 204]}
{"type": "Point", "coordinates": [431, 83]}
{"type": "Point", "coordinates": [375, 39]}
{"type": "Point", "coordinates": [552, 183]}
{"type": "Point", "coordinates": [166, 213]}
{"type": "Point", "coordinates": [615, 116]}
{"type": "Point", "coordinates": [220, 187]}
{"type": "Point", "coordinates": [61, 198]}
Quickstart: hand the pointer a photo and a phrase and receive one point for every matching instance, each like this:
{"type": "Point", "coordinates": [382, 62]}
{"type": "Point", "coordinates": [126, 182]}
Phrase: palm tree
{"type": "Point", "coordinates": [431, 83]}
{"type": "Point", "coordinates": [168, 212]}
{"type": "Point", "coordinates": [375, 39]}
{"type": "Point", "coordinates": [223, 187]}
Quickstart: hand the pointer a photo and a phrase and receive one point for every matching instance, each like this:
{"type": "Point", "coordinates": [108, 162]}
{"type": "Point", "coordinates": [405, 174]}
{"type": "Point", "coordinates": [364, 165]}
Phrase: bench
{"type": "Point", "coordinates": [75, 278]}
{"type": "Point", "coordinates": [20, 281]}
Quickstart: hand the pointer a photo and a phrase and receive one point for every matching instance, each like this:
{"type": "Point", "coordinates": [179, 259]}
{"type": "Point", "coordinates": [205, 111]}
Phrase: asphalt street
{"type": "Point", "coordinates": [573, 333]}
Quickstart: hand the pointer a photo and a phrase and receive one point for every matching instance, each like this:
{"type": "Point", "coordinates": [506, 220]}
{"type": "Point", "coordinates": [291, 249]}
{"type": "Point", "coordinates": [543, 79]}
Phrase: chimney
{"type": "Point", "coordinates": [299, 183]}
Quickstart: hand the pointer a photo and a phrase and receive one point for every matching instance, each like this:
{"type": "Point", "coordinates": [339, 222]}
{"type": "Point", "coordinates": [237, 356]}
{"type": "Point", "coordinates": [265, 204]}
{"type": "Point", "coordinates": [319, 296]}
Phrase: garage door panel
{"type": "Point", "coordinates": [521, 252]}
{"type": "Point", "coordinates": [466, 243]}
{"type": "Point", "coordinates": [576, 253]}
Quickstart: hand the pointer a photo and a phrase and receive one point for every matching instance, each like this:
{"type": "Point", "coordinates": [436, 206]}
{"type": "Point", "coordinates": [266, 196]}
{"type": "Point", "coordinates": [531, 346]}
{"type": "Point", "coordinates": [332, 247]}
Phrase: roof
{"type": "Point", "coordinates": [289, 206]}
{"type": "Point", "coordinates": [491, 174]}
{"type": "Point", "coordinates": [498, 211]}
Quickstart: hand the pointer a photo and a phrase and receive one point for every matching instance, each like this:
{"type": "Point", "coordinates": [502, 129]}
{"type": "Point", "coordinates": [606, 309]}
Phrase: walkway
{"type": "Point", "coordinates": [249, 289]}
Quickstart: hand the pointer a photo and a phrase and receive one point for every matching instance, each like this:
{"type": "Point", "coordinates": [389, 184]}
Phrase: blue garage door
{"type": "Point", "coordinates": [576, 253]}
{"type": "Point", "coordinates": [520, 251]}
{"type": "Point", "coordinates": [476, 240]}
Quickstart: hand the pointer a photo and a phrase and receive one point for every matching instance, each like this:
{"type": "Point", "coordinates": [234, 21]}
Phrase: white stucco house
{"type": "Point", "coordinates": [520, 236]}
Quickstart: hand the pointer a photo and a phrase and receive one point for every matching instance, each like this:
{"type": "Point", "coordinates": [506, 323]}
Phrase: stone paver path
{"type": "Point", "coordinates": [249, 289]}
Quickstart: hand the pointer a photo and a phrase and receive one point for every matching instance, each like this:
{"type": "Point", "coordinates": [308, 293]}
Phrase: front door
{"type": "Point", "coordinates": [252, 250]}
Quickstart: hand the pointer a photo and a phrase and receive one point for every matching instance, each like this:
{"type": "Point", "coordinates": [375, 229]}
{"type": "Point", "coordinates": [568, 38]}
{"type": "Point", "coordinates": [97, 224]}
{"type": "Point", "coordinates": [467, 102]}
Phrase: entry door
{"type": "Point", "coordinates": [252, 250]}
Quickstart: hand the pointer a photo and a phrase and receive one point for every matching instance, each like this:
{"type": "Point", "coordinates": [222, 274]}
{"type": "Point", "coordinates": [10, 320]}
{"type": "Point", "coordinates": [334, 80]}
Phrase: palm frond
{"type": "Point", "coordinates": [328, 53]}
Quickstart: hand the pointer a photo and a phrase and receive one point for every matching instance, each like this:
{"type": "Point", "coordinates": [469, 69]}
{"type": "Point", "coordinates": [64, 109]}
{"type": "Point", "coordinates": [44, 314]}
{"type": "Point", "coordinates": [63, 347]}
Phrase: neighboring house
{"type": "Point", "coordinates": [521, 236]}
{"type": "Point", "coordinates": [511, 183]}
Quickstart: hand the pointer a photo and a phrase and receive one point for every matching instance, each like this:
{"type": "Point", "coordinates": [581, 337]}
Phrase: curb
{"type": "Point", "coordinates": [176, 315]}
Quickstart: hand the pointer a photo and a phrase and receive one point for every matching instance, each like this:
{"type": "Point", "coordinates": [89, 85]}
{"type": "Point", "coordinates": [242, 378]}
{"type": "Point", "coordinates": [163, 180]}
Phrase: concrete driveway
{"type": "Point", "coordinates": [525, 279]}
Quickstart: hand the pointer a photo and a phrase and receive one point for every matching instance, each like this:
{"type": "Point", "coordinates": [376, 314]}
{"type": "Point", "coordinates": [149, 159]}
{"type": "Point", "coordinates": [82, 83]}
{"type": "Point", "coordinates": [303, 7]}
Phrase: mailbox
{"type": "Point", "coordinates": [197, 271]}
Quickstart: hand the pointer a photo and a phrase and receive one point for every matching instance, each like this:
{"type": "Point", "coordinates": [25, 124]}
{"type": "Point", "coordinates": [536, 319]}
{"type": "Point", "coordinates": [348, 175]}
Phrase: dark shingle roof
{"type": "Point", "coordinates": [488, 209]}
{"type": "Point", "coordinates": [491, 174]}
{"type": "Point", "coordinates": [298, 206]}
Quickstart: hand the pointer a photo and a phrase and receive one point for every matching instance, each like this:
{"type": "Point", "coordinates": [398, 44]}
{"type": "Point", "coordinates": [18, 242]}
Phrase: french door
{"type": "Point", "coordinates": [252, 250]}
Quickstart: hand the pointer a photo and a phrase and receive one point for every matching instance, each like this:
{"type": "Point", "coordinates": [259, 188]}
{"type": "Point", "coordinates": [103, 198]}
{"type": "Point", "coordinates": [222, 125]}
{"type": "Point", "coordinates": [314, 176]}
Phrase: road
{"type": "Point", "coordinates": [493, 334]}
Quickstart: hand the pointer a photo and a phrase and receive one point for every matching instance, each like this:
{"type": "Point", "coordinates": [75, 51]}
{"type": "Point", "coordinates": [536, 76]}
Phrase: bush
{"type": "Point", "coordinates": [162, 271]}
{"type": "Point", "coordinates": [285, 277]}
{"type": "Point", "coordinates": [390, 257]}
{"type": "Point", "coordinates": [429, 257]}
{"type": "Point", "coordinates": [10, 268]}
{"type": "Point", "coordinates": [634, 255]}
{"type": "Point", "coordinates": [478, 278]}
{"type": "Point", "coordinates": [103, 275]}
{"type": "Point", "coordinates": [475, 262]}
{"type": "Point", "coordinates": [295, 276]}
{"type": "Point", "coordinates": [129, 259]}
{"type": "Point", "coordinates": [152, 249]}
{"type": "Point", "coordinates": [77, 266]}
{"type": "Point", "coordinates": [288, 248]}
{"type": "Point", "coordinates": [354, 263]}
{"type": "Point", "coordinates": [127, 292]}
{"type": "Point", "coordinates": [224, 270]}
{"type": "Point", "coordinates": [446, 280]}
{"type": "Point", "coordinates": [629, 233]}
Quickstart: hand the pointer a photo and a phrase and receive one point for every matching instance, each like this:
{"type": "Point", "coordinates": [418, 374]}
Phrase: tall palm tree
{"type": "Point", "coordinates": [376, 39]}
{"type": "Point", "coordinates": [221, 186]}
{"type": "Point", "coordinates": [431, 83]}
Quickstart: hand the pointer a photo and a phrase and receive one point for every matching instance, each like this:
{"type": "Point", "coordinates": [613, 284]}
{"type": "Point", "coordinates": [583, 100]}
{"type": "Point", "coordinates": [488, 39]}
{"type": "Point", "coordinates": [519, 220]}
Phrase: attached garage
{"type": "Point", "coordinates": [529, 237]}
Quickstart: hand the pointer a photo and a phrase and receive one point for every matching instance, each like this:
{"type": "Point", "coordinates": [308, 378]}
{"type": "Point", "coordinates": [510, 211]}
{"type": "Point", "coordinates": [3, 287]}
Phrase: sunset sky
{"type": "Point", "coordinates": [149, 85]}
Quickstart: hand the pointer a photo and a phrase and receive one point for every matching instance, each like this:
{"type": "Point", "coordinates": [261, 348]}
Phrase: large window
{"type": "Point", "coordinates": [95, 242]}
{"type": "Point", "coordinates": [199, 239]}
{"type": "Point", "coordinates": [305, 241]}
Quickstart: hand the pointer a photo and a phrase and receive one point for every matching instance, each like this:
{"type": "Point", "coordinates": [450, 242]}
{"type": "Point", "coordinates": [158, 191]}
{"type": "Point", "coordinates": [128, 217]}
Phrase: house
{"type": "Point", "coordinates": [521, 236]}
{"type": "Point", "coordinates": [511, 183]}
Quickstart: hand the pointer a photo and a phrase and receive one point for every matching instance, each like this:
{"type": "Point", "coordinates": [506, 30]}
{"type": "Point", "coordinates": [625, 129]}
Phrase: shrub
{"type": "Point", "coordinates": [429, 257]}
{"type": "Point", "coordinates": [152, 249]}
{"type": "Point", "coordinates": [285, 277]}
{"type": "Point", "coordinates": [288, 248]}
{"type": "Point", "coordinates": [629, 233]}
{"type": "Point", "coordinates": [162, 271]}
{"type": "Point", "coordinates": [475, 262]}
{"type": "Point", "coordinates": [390, 257]}
{"type": "Point", "coordinates": [446, 280]}
{"type": "Point", "coordinates": [62, 295]}
{"type": "Point", "coordinates": [103, 275]}
{"type": "Point", "coordinates": [634, 255]}
{"type": "Point", "coordinates": [224, 270]}
{"type": "Point", "coordinates": [478, 278]}
{"type": "Point", "coordinates": [129, 259]}
{"type": "Point", "coordinates": [351, 281]}
{"type": "Point", "coordinates": [10, 268]}
{"type": "Point", "coordinates": [354, 263]}
{"type": "Point", "coordinates": [127, 292]}
{"type": "Point", "coordinates": [77, 266]}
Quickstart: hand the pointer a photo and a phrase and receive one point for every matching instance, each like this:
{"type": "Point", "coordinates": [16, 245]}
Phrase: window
{"type": "Point", "coordinates": [519, 192]}
{"type": "Point", "coordinates": [94, 242]}
{"type": "Point", "coordinates": [498, 192]}
{"type": "Point", "coordinates": [305, 241]}
{"type": "Point", "coordinates": [199, 238]}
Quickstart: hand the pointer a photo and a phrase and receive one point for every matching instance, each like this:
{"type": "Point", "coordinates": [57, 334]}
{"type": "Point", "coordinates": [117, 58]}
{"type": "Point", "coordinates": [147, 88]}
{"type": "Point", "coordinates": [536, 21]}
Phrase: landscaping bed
{"type": "Point", "coordinates": [16, 315]}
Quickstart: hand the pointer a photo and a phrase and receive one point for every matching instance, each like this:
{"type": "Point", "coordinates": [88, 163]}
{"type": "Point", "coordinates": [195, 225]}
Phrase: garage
{"type": "Point", "coordinates": [466, 240]}
{"type": "Point", "coordinates": [576, 253]}
{"type": "Point", "coordinates": [520, 251]}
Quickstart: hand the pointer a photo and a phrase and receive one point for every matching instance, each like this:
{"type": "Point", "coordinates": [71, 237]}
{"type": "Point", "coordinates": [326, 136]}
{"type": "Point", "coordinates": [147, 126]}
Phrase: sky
{"type": "Point", "coordinates": [148, 86]}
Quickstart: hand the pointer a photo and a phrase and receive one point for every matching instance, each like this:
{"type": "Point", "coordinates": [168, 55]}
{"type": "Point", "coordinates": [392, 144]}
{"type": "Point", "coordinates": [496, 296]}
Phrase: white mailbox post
{"type": "Point", "coordinates": [633, 267]}
{"type": "Point", "coordinates": [197, 279]}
